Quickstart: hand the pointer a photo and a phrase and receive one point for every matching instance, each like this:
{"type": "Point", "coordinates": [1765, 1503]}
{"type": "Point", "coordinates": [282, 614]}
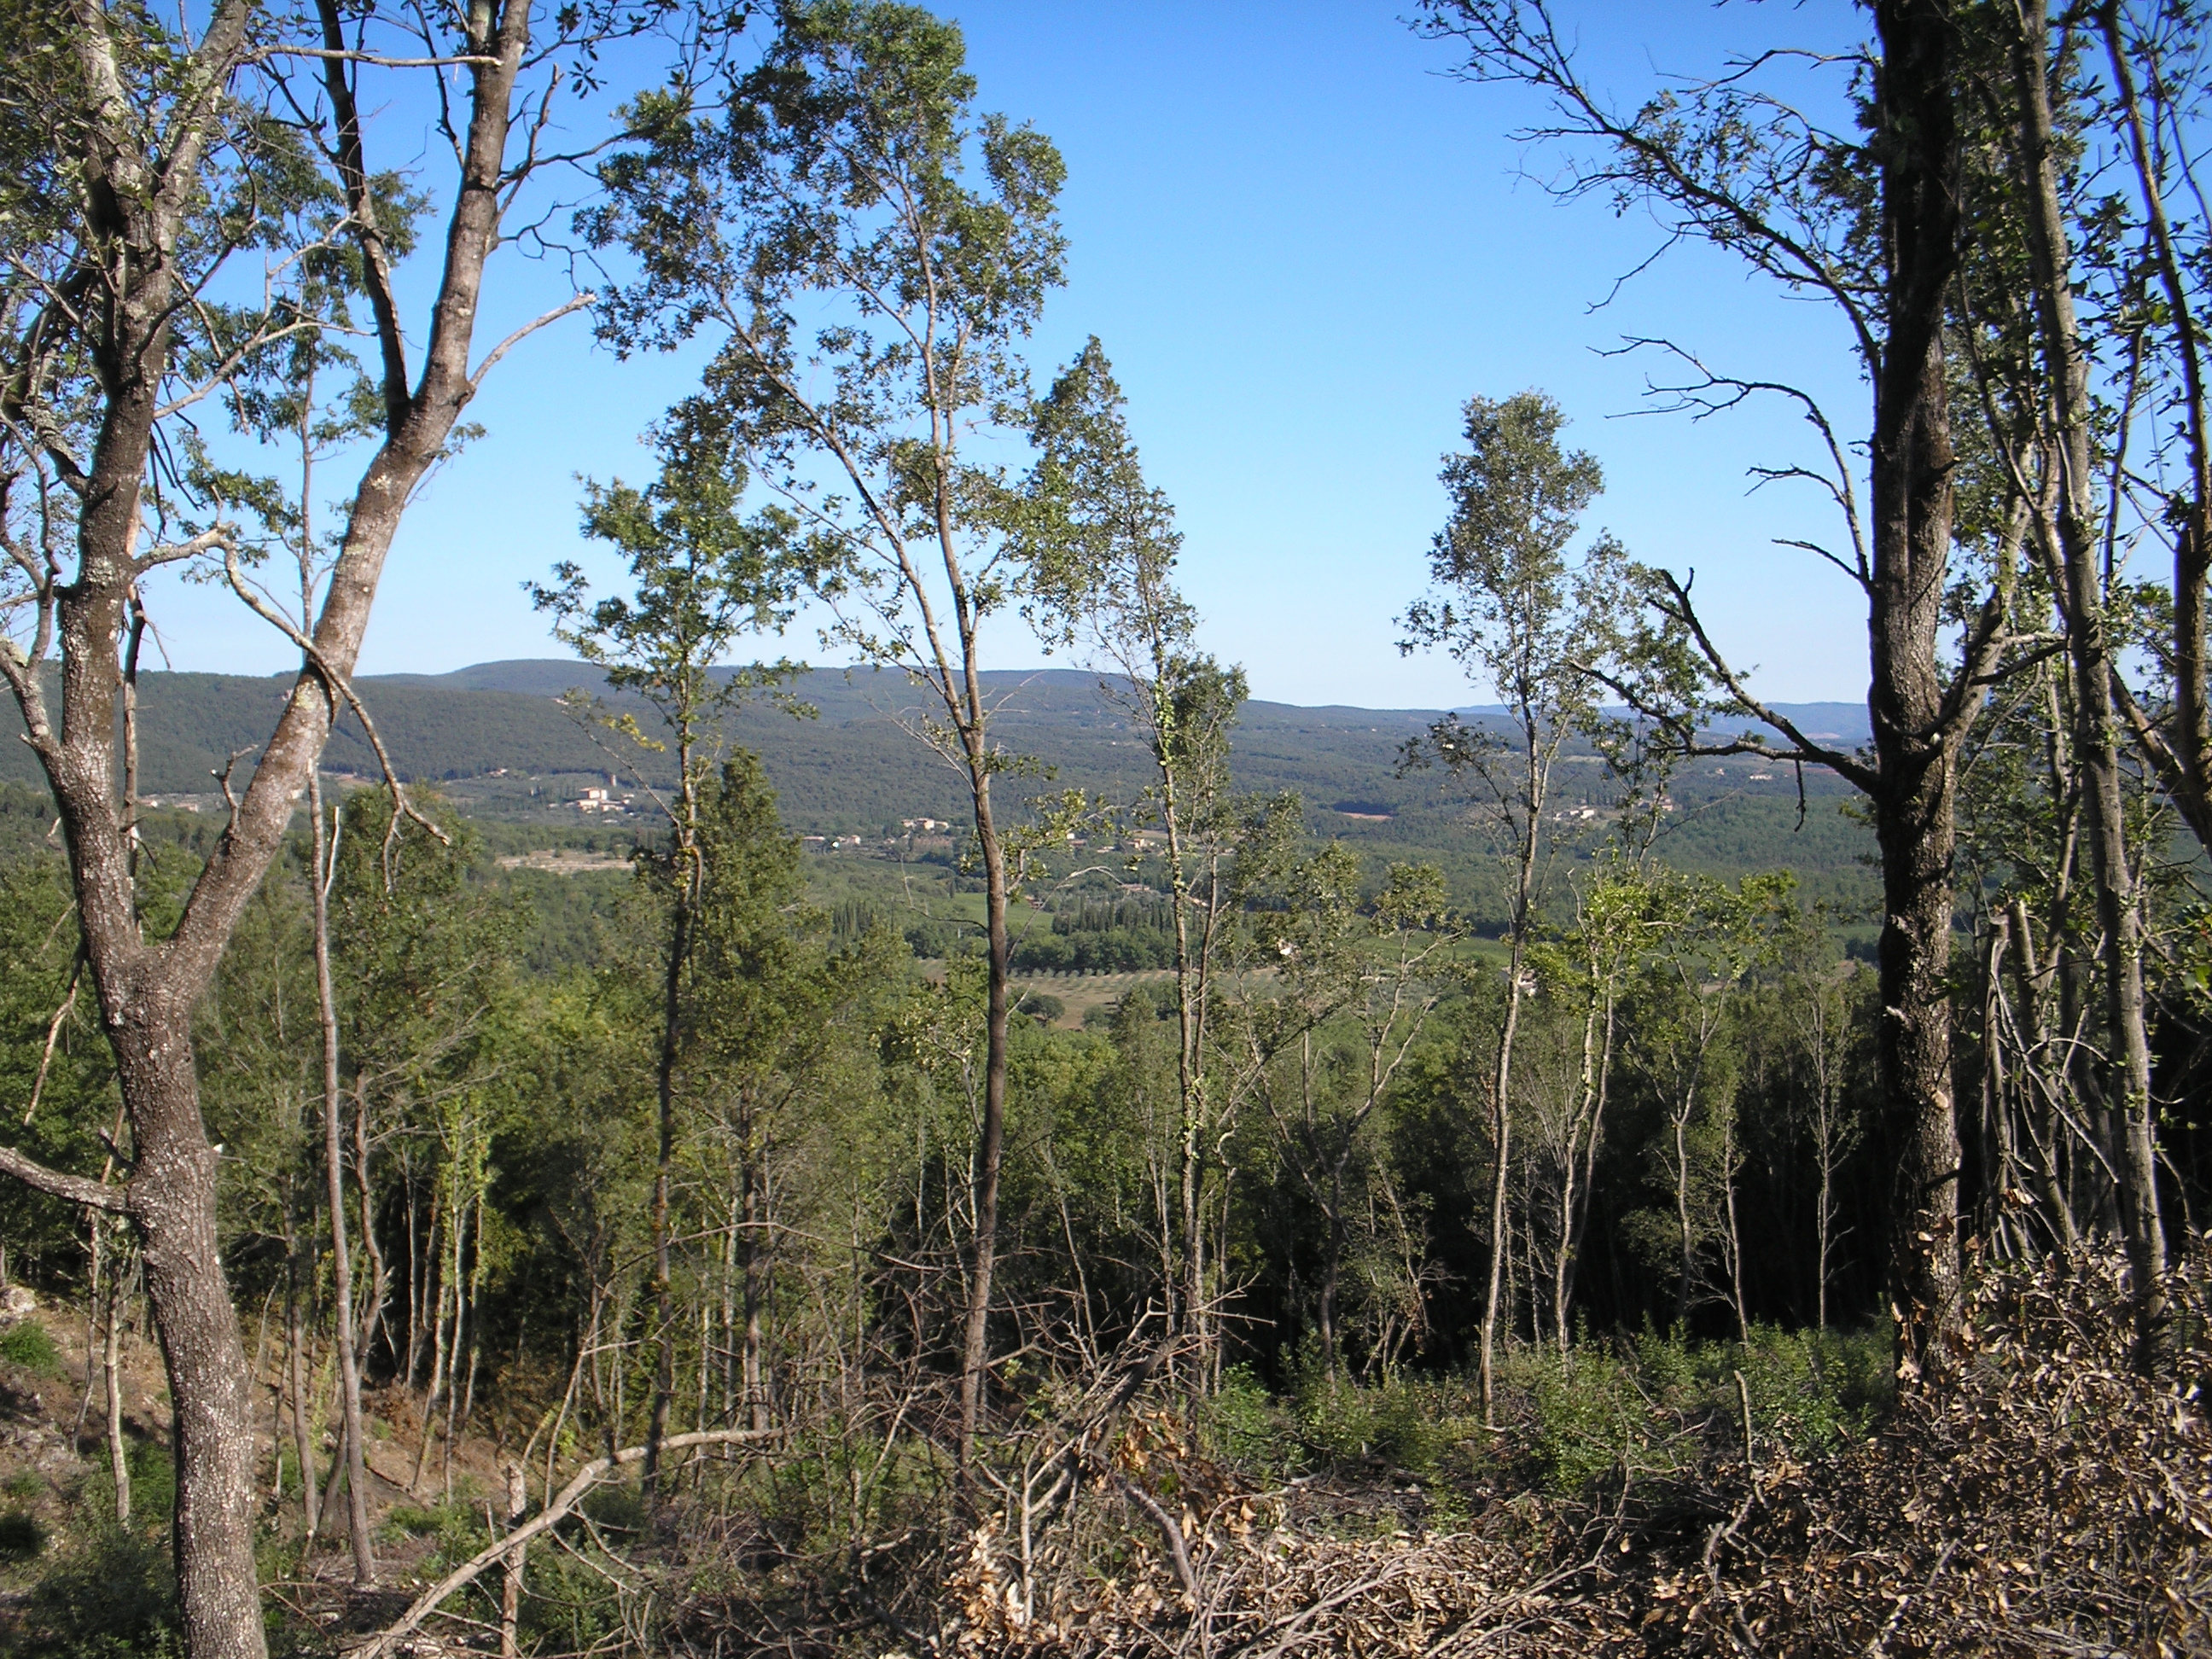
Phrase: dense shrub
{"type": "Point", "coordinates": [28, 1343]}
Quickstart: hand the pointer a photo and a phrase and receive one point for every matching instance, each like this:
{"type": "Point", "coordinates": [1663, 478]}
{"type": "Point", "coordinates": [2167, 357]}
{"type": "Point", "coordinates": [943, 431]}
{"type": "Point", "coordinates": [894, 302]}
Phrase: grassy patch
{"type": "Point", "coordinates": [28, 1343]}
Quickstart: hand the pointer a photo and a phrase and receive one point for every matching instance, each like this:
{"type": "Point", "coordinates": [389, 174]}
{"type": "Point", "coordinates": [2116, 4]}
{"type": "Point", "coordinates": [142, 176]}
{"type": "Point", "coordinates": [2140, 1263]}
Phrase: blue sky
{"type": "Point", "coordinates": [1303, 246]}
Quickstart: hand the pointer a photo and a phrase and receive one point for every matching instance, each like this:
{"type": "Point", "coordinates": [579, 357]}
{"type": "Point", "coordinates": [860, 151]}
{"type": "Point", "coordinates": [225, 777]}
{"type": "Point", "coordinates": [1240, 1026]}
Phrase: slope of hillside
{"type": "Point", "coordinates": [496, 739]}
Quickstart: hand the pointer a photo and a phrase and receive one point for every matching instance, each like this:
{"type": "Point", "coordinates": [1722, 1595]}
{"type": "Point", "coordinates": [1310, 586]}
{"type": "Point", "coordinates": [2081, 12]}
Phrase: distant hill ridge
{"type": "Point", "coordinates": [849, 768]}
{"type": "Point", "coordinates": [1051, 689]}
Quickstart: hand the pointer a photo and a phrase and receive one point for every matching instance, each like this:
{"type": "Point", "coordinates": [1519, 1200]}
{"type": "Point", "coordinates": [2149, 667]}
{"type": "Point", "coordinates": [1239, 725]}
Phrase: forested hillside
{"type": "Point", "coordinates": [645, 1151]}
{"type": "Point", "coordinates": [497, 742]}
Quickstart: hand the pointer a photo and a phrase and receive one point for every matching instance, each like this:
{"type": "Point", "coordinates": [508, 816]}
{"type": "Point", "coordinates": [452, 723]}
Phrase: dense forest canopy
{"type": "Point", "coordinates": [658, 1149]}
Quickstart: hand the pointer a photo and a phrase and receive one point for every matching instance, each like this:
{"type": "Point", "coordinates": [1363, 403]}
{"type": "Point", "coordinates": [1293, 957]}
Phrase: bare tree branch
{"type": "Point", "coordinates": [75, 1188]}
{"type": "Point", "coordinates": [385, 1642]}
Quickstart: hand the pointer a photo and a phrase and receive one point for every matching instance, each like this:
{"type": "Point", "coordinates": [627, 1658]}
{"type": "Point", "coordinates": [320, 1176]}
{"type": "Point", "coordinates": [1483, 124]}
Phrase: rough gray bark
{"type": "Point", "coordinates": [1919, 720]}
{"type": "Point", "coordinates": [1895, 302]}
{"type": "Point", "coordinates": [146, 991]}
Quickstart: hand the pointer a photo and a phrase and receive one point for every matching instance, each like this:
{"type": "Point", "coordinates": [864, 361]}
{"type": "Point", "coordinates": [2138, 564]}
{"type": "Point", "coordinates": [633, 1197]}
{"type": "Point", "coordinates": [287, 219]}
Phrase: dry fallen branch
{"type": "Point", "coordinates": [382, 1644]}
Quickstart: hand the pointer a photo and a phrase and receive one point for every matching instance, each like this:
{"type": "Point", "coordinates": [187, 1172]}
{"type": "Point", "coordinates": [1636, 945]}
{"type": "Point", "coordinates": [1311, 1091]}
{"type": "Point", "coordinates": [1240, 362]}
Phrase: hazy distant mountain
{"type": "Point", "coordinates": [496, 735]}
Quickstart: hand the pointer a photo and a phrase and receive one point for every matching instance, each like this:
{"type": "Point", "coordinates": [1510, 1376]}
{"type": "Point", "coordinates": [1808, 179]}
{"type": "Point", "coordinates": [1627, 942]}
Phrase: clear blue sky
{"type": "Point", "coordinates": [1303, 246]}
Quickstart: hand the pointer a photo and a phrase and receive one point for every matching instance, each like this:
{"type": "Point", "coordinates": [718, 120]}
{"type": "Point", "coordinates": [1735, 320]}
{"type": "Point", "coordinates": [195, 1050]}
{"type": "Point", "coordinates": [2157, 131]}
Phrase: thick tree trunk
{"type": "Point", "coordinates": [1914, 1054]}
{"type": "Point", "coordinates": [173, 1203]}
{"type": "Point", "coordinates": [147, 992]}
{"type": "Point", "coordinates": [1915, 733]}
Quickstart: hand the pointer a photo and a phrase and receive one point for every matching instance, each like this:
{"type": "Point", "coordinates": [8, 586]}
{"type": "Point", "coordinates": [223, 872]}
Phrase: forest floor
{"type": "Point", "coordinates": [2040, 1497]}
{"type": "Point", "coordinates": [57, 1492]}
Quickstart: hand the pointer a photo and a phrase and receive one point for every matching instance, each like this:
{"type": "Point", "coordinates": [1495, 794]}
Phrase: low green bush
{"type": "Point", "coordinates": [1813, 1389]}
{"type": "Point", "coordinates": [112, 1595]}
{"type": "Point", "coordinates": [21, 1536]}
{"type": "Point", "coordinates": [1656, 1404]}
{"type": "Point", "coordinates": [28, 1343]}
{"type": "Point", "coordinates": [1408, 1422]}
{"type": "Point", "coordinates": [1243, 1426]}
{"type": "Point", "coordinates": [1589, 1415]}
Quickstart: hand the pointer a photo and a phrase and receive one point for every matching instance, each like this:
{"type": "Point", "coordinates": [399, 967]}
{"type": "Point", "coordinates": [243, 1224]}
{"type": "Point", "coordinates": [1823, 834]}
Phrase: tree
{"type": "Point", "coordinates": [116, 325]}
{"type": "Point", "coordinates": [867, 256]}
{"type": "Point", "coordinates": [1877, 226]}
{"type": "Point", "coordinates": [1712, 940]}
{"type": "Point", "coordinates": [1821, 998]}
{"type": "Point", "coordinates": [1101, 546]}
{"type": "Point", "coordinates": [1618, 914]}
{"type": "Point", "coordinates": [703, 577]}
{"type": "Point", "coordinates": [2156, 74]}
{"type": "Point", "coordinates": [776, 1025]}
{"type": "Point", "coordinates": [1521, 617]}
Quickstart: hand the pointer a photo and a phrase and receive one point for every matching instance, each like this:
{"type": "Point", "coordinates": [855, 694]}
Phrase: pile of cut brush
{"type": "Point", "coordinates": [2041, 1495]}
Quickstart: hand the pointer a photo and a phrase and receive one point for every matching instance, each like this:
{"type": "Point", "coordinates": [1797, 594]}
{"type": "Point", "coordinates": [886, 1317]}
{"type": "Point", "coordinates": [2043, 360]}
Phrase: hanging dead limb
{"type": "Point", "coordinates": [54, 1037]}
{"type": "Point", "coordinates": [375, 60]}
{"type": "Point", "coordinates": [491, 358]}
{"type": "Point", "coordinates": [386, 1641]}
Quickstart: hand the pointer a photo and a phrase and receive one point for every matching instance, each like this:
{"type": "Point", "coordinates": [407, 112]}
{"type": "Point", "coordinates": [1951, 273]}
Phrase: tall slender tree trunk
{"type": "Point", "coordinates": [2043, 1126]}
{"type": "Point", "coordinates": [119, 1461]}
{"type": "Point", "coordinates": [1685, 1231]}
{"type": "Point", "coordinates": [511, 1571]}
{"type": "Point", "coordinates": [755, 1296]}
{"type": "Point", "coordinates": [991, 1141]}
{"type": "Point", "coordinates": [1824, 1150]}
{"type": "Point", "coordinates": [364, 1554]}
{"type": "Point", "coordinates": [1331, 1270]}
{"type": "Point", "coordinates": [2184, 760]}
{"type": "Point", "coordinates": [664, 1310]}
{"type": "Point", "coordinates": [1190, 1078]}
{"type": "Point", "coordinates": [371, 1316]}
{"type": "Point", "coordinates": [1501, 1080]}
{"type": "Point", "coordinates": [2089, 647]}
{"type": "Point", "coordinates": [1578, 1180]}
{"type": "Point", "coordinates": [1735, 1231]}
{"type": "Point", "coordinates": [295, 1371]}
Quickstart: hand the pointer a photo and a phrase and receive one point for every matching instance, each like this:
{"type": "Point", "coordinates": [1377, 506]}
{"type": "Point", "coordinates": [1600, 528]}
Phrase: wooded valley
{"type": "Point", "coordinates": [666, 1151]}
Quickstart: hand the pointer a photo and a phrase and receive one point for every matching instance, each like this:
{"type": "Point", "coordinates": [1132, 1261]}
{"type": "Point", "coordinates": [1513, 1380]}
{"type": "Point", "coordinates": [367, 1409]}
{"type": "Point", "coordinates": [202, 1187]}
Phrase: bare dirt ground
{"type": "Point", "coordinates": [56, 1489]}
